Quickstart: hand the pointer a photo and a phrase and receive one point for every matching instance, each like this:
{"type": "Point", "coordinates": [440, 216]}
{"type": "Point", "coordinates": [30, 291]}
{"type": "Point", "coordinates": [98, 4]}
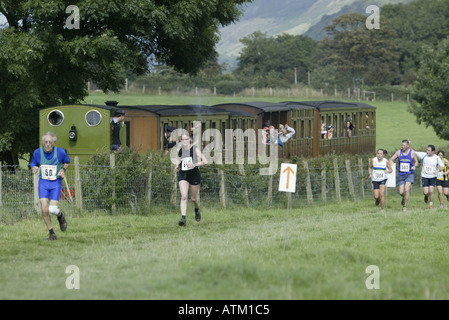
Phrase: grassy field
{"type": "Point", "coordinates": [394, 122]}
{"type": "Point", "coordinates": [239, 254]}
{"type": "Point", "coordinates": [235, 255]}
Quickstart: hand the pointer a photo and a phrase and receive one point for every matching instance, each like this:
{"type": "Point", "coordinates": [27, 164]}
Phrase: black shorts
{"type": "Point", "coordinates": [377, 184]}
{"type": "Point", "coordinates": [429, 182]}
{"type": "Point", "coordinates": [193, 177]}
{"type": "Point", "coordinates": [444, 184]}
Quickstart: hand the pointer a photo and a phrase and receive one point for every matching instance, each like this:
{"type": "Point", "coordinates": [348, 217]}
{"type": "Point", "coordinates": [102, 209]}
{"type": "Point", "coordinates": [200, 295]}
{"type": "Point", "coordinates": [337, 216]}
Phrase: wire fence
{"type": "Point", "coordinates": [107, 190]}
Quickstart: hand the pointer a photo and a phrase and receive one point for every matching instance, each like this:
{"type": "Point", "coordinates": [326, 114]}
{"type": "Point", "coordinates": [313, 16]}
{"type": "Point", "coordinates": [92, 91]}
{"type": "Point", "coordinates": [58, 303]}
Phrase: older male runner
{"type": "Point", "coordinates": [52, 162]}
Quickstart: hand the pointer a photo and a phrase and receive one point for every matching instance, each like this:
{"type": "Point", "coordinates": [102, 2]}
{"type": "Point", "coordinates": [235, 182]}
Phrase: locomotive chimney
{"type": "Point", "coordinates": [111, 103]}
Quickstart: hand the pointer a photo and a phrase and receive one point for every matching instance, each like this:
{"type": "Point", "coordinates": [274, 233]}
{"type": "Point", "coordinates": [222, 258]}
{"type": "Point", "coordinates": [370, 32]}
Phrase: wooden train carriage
{"type": "Point", "coordinates": [363, 136]}
{"type": "Point", "coordinates": [83, 130]}
{"type": "Point", "coordinates": [299, 117]}
{"type": "Point", "coordinates": [144, 125]}
{"type": "Point", "coordinates": [306, 117]}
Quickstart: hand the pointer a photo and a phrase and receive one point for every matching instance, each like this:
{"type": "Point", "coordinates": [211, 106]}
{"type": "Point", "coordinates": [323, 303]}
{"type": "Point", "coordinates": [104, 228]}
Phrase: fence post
{"type": "Point", "coordinates": [245, 191]}
{"type": "Point", "coordinates": [1, 201]}
{"type": "Point", "coordinates": [174, 188]}
{"type": "Point", "coordinates": [349, 176]}
{"type": "Point", "coordinates": [149, 181]}
{"type": "Point", "coordinates": [112, 165]}
{"type": "Point", "coordinates": [78, 191]}
{"type": "Point", "coordinates": [308, 184]}
{"type": "Point", "coordinates": [270, 191]}
{"type": "Point", "coordinates": [222, 188]}
{"type": "Point", "coordinates": [323, 181]}
{"type": "Point", "coordinates": [362, 178]}
{"type": "Point", "coordinates": [37, 203]}
{"type": "Point", "coordinates": [337, 180]}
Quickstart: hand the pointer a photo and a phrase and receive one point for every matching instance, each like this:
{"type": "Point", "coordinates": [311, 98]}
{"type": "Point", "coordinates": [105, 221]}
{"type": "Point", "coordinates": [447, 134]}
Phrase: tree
{"type": "Point", "coordinates": [43, 61]}
{"type": "Point", "coordinates": [416, 23]}
{"type": "Point", "coordinates": [262, 56]}
{"type": "Point", "coordinates": [431, 90]}
{"type": "Point", "coordinates": [360, 54]}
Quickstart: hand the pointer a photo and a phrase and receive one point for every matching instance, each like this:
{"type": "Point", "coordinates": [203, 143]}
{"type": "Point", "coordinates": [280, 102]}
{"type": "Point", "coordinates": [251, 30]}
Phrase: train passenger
{"type": "Point", "coordinates": [285, 133]}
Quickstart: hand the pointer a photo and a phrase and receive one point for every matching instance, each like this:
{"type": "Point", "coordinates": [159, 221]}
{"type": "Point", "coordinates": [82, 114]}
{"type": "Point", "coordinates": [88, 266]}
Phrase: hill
{"type": "Point", "coordinates": [286, 16]}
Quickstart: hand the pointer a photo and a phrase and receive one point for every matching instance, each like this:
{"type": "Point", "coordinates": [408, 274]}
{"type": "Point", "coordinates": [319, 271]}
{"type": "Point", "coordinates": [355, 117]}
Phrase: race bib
{"type": "Point", "coordinates": [428, 169]}
{"type": "Point", "coordinates": [49, 172]}
{"type": "Point", "coordinates": [404, 167]}
{"type": "Point", "coordinates": [440, 175]}
{"type": "Point", "coordinates": [185, 162]}
{"type": "Point", "coordinates": [379, 174]}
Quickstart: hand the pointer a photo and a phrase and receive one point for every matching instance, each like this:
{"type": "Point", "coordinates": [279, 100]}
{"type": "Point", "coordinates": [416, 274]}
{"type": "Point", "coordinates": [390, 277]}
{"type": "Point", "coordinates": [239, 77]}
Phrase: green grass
{"type": "Point", "coordinates": [235, 254]}
{"type": "Point", "coordinates": [394, 122]}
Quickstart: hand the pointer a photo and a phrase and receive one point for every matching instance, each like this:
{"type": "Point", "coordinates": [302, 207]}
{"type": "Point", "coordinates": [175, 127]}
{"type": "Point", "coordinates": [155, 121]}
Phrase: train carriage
{"type": "Point", "coordinates": [144, 125]}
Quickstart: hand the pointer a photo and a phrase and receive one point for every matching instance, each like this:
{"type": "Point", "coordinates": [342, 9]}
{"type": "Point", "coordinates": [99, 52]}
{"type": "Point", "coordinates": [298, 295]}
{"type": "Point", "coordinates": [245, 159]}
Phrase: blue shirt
{"type": "Point", "coordinates": [36, 160]}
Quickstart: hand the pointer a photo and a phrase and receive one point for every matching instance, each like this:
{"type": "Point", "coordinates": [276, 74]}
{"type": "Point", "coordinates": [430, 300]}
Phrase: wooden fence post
{"type": "Point", "coordinates": [149, 182]}
{"type": "Point", "coordinates": [323, 181]}
{"type": "Point", "coordinates": [245, 190]}
{"type": "Point", "coordinates": [37, 203]}
{"type": "Point", "coordinates": [1, 201]}
{"type": "Point", "coordinates": [174, 188]}
{"type": "Point", "coordinates": [349, 176]}
{"type": "Point", "coordinates": [362, 178]}
{"type": "Point", "coordinates": [337, 180]}
{"type": "Point", "coordinates": [78, 190]}
{"type": "Point", "coordinates": [270, 191]}
{"type": "Point", "coordinates": [308, 183]}
{"type": "Point", "coordinates": [222, 189]}
{"type": "Point", "coordinates": [112, 165]}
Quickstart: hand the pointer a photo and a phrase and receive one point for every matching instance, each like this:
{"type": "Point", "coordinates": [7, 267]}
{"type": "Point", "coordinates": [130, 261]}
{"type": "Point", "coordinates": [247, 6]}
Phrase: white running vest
{"type": "Point", "coordinates": [379, 170]}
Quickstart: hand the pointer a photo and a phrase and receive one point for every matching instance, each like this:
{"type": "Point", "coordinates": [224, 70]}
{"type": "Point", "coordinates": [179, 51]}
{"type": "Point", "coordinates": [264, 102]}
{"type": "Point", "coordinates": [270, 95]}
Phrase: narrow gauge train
{"type": "Point", "coordinates": [84, 130]}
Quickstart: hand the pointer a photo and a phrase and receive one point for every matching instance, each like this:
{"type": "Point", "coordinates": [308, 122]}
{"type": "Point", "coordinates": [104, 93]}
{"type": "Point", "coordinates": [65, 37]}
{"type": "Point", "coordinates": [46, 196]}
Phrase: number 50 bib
{"type": "Point", "coordinates": [48, 172]}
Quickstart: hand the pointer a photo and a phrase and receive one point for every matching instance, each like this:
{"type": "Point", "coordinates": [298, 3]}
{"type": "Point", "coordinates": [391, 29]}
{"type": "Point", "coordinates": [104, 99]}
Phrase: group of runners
{"type": "Point", "coordinates": [434, 173]}
{"type": "Point", "coordinates": [51, 164]}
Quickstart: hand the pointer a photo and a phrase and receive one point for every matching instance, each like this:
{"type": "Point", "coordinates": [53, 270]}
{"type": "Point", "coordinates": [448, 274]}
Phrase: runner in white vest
{"type": "Point", "coordinates": [431, 165]}
{"type": "Point", "coordinates": [378, 169]}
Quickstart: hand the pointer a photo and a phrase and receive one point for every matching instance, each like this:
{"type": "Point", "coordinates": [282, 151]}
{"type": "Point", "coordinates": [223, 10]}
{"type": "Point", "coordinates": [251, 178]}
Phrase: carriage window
{"type": "Point", "coordinates": [55, 118]}
{"type": "Point", "coordinates": [93, 118]}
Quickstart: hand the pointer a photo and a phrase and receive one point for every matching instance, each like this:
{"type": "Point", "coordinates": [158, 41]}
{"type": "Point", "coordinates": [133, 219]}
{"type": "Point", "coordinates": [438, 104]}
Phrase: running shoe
{"type": "Point", "coordinates": [52, 236]}
{"type": "Point", "coordinates": [404, 209]}
{"type": "Point", "coordinates": [426, 198]}
{"type": "Point", "coordinates": [430, 206]}
{"type": "Point", "coordinates": [377, 202]}
{"type": "Point", "coordinates": [182, 222]}
{"type": "Point", "coordinates": [382, 210]}
{"type": "Point", "coordinates": [62, 221]}
{"type": "Point", "coordinates": [197, 215]}
{"type": "Point", "coordinates": [403, 202]}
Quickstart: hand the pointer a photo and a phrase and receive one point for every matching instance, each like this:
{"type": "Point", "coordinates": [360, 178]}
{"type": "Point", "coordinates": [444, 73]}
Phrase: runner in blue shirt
{"type": "Point", "coordinates": [51, 163]}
